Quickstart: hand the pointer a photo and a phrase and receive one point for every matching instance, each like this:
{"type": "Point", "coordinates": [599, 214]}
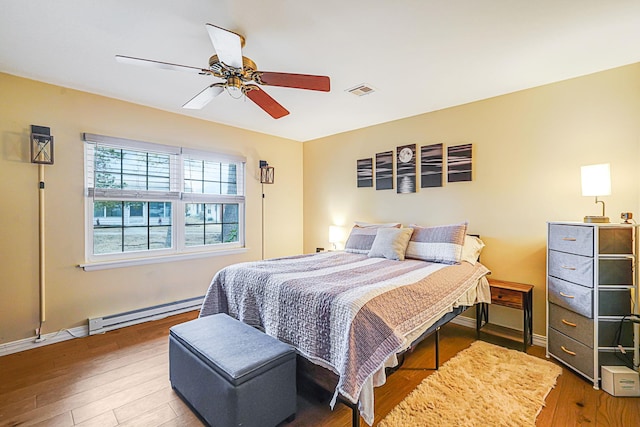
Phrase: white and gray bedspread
{"type": "Point", "coordinates": [344, 311]}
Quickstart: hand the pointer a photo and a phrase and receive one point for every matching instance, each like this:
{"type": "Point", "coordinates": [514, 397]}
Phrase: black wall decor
{"type": "Point", "coordinates": [406, 168]}
{"type": "Point", "coordinates": [459, 163]}
{"type": "Point", "coordinates": [384, 170]}
{"type": "Point", "coordinates": [365, 172]}
{"type": "Point", "coordinates": [431, 165]}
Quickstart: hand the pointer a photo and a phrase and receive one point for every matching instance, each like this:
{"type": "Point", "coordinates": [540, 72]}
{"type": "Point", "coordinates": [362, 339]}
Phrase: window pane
{"type": "Point", "coordinates": [194, 235]}
{"type": "Point", "coordinates": [194, 213]}
{"type": "Point", "coordinates": [135, 239]}
{"type": "Point", "coordinates": [210, 177]}
{"type": "Point", "coordinates": [108, 159]}
{"type": "Point", "coordinates": [108, 180]}
{"type": "Point", "coordinates": [135, 213]}
{"type": "Point", "coordinates": [108, 166]}
{"type": "Point", "coordinates": [134, 162]}
{"type": "Point", "coordinates": [229, 189]}
{"type": "Point", "coordinates": [134, 182]}
{"type": "Point", "coordinates": [159, 213]}
{"type": "Point", "coordinates": [192, 186]}
{"type": "Point", "coordinates": [159, 165]}
{"type": "Point", "coordinates": [211, 187]}
{"type": "Point", "coordinates": [193, 170]}
{"type": "Point", "coordinates": [160, 237]}
{"type": "Point", "coordinates": [211, 171]}
{"type": "Point", "coordinates": [107, 213]}
{"type": "Point", "coordinates": [230, 214]}
{"type": "Point", "coordinates": [229, 173]}
{"type": "Point", "coordinates": [214, 212]}
{"type": "Point", "coordinates": [107, 240]}
{"type": "Point", "coordinates": [213, 234]}
{"type": "Point", "coordinates": [114, 210]}
{"type": "Point", "coordinates": [229, 233]}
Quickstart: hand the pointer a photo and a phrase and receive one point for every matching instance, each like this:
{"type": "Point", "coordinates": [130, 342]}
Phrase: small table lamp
{"type": "Point", "coordinates": [336, 235]}
{"type": "Point", "coordinates": [596, 181]}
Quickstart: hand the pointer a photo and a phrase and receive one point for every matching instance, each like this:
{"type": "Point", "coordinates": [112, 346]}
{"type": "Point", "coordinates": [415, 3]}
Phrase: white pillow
{"type": "Point", "coordinates": [471, 249]}
{"type": "Point", "coordinates": [390, 243]}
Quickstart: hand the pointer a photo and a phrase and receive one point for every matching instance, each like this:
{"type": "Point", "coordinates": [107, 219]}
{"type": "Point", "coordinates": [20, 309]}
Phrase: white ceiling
{"type": "Point", "coordinates": [420, 56]}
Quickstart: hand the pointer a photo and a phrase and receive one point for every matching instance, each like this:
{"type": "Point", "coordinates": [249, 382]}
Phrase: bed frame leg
{"type": "Point", "coordinates": [355, 416]}
{"type": "Point", "coordinates": [437, 348]}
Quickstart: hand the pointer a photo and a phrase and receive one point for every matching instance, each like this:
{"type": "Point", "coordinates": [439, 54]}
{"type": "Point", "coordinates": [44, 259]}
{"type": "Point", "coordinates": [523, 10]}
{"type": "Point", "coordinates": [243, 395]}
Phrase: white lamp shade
{"type": "Point", "coordinates": [336, 234]}
{"type": "Point", "coordinates": [596, 180]}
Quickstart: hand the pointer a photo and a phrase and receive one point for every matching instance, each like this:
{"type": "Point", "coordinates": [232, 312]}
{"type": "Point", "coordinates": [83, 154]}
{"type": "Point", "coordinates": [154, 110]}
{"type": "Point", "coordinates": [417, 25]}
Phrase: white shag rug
{"type": "Point", "coordinates": [483, 385]}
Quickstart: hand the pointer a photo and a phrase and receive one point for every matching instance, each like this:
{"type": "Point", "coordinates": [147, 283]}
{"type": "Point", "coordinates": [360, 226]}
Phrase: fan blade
{"type": "Point", "coordinates": [298, 81]}
{"type": "Point", "coordinates": [204, 97]}
{"type": "Point", "coordinates": [228, 45]}
{"type": "Point", "coordinates": [264, 101]}
{"type": "Point", "coordinates": [160, 65]}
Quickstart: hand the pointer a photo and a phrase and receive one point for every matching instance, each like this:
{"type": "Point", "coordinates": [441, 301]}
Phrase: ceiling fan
{"type": "Point", "coordinates": [238, 73]}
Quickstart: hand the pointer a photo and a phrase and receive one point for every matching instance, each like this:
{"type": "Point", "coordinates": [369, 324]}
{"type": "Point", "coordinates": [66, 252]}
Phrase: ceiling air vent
{"type": "Point", "coordinates": [361, 90]}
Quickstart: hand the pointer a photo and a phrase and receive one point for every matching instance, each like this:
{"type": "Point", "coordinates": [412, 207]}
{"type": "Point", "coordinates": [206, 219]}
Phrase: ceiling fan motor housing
{"type": "Point", "coordinates": [221, 70]}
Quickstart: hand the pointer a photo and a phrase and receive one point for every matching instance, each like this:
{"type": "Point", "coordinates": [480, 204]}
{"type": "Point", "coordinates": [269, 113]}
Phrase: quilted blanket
{"type": "Point", "coordinates": [345, 311]}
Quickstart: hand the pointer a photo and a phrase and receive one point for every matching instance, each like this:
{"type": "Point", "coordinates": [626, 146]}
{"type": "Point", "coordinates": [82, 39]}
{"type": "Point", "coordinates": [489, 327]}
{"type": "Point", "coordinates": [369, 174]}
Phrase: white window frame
{"type": "Point", "coordinates": [176, 196]}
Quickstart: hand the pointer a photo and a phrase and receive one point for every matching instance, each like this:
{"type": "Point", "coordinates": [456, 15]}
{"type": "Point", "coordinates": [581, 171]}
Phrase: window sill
{"type": "Point", "coordinates": [106, 265]}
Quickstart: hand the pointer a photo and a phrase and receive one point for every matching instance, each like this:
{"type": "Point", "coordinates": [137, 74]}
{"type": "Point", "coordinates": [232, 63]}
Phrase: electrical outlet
{"type": "Point", "coordinates": [37, 331]}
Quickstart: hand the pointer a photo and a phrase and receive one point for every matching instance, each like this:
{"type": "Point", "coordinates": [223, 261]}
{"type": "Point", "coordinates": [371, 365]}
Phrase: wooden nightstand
{"type": "Point", "coordinates": [513, 295]}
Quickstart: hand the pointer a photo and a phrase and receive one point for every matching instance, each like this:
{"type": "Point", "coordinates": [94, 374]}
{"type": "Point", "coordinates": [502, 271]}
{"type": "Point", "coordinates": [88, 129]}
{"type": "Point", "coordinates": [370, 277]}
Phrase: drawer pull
{"type": "Point", "coordinates": [569, 239]}
{"type": "Point", "coordinates": [567, 267]}
{"type": "Point", "coordinates": [566, 296]}
{"type": "Point", "coordinates": [567, 351]}
{"type": "Point", "coordinates": [566, 322]}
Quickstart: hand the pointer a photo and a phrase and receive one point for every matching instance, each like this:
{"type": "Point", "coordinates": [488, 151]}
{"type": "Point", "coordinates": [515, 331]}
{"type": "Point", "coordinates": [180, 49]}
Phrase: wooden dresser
{"type": "Point", "coordinates": [590, 286]}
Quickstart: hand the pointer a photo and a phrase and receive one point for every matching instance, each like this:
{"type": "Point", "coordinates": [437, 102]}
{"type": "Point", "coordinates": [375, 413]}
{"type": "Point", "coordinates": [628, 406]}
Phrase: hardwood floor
{"type": "Point", "coordinates": [121, 379]}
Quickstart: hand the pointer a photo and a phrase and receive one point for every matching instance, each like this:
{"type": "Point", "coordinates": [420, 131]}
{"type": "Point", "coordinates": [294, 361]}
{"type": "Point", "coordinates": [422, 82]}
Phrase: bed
{"type": "Point", "coordinates": [346, 312]}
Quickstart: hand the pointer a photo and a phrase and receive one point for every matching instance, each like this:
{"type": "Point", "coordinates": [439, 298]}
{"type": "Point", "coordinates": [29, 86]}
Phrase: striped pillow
{"type": "Point", "coordinates": [361, 238]}
{"type": "Point", "coordinates": [441, 244]}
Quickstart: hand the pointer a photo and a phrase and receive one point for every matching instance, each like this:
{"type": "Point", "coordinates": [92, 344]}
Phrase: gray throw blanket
{"type": "Point", "coordinates": [344, 311]}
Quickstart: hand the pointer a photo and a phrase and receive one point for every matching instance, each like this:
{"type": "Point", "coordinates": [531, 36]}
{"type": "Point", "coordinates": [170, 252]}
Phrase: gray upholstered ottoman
{"type": "Point", "coordinates": [232, 374]}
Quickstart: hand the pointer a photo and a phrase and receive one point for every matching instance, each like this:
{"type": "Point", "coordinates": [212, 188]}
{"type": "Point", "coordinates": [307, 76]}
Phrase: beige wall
{"type": "Point", "coordinates": [72, 294]}
{"type": "Point", "coordinates": [528, 149]}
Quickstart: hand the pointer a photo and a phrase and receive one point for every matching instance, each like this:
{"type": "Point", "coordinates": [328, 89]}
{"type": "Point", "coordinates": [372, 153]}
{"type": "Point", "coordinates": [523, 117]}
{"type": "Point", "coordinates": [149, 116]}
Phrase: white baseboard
{"type": "Point", "coordinates": [469, 322]}
{"type": "Point", "coordinates": [83, 331]}
{"type": "Point", "coordinates": [52, 338]}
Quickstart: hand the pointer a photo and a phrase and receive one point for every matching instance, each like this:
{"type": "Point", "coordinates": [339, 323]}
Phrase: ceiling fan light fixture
{"type": "Point", "coordinates": [235, 87]}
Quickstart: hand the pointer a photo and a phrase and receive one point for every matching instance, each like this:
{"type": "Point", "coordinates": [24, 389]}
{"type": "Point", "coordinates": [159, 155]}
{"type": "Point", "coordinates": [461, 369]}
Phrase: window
{"type": "Point", "coordinates": [148, 200]}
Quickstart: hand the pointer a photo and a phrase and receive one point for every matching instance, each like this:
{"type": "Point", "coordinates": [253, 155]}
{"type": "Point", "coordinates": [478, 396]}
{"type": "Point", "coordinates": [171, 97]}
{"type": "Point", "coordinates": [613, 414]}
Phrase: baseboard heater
{"type": "Point", "coordinates": [100, 325]}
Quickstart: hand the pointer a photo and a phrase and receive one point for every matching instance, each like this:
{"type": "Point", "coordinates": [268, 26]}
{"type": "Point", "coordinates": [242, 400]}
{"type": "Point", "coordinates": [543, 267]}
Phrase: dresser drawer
{"type": "Point", "coordinates": [608, 333]}
{"type": "Point", "coordinates": [614, 302]}
{"type": "Point", "coordinates": [615, 271]}
{"type": "Point", "coordinates": [615, 240]}
{"type": "Point", "coordinates": [575, 239]}
{"type": "Point", "coordinates": [572, 268]}
{"type": "Point", "coordinates": [571, 296]}
{"type": "Point", "coordinates": [571, 351]}
{"type": "Point", "coordinates": [507, 298]}
{"type": "Point", "coordinates": [572, 324]}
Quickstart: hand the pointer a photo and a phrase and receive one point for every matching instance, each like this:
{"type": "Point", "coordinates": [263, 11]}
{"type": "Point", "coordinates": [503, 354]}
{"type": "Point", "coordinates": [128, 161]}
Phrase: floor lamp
{"type": "Point", "coordinates": [41, 147]}
{"type": "Point", "coordinates": [267, 175]}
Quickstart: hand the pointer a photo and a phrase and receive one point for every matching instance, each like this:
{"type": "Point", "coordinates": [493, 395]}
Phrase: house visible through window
{"type": "Point", "coordinates": [150, 199]}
